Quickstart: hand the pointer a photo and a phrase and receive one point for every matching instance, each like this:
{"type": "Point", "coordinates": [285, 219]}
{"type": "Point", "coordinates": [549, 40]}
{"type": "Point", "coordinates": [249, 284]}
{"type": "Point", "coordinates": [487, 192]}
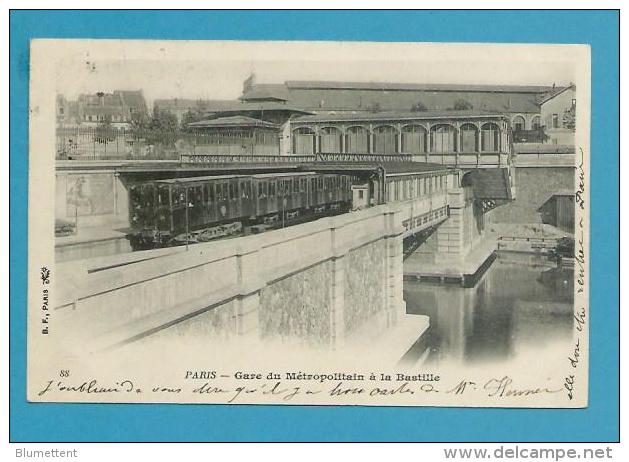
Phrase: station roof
{"type": "Point", "coordinates": [337, 85]}
{"type": "Point", "coordinates": [396, 115]}
{"type": "Point", "coordinates": [259, 106]}
{"type": "Point", "coordinates": [269, 104]}
{"type": "Point", "coordinates": [233, 122]}
{"type": "Point", "coordinates": [329, 96]}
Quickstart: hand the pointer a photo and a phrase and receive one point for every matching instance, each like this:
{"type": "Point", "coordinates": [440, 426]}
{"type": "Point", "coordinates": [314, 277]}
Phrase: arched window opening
{"type": "Point", "coordinates": [490, 137]}
{"type": "Point", "coordinates": [536, 123]}
{"type": "Point", "coordinates": [330, 140]}
{"type": "Point", "coordinates": [303, 141]}
{"type": "Point", "coordinates": [385, 140]}
{"type": "Point", "coordinates": [443, 138]}
{"type": "Point", "coordinates": [414, 139]}
{"type": "Point", "coordinates": [469, 138]}
{"type": "Point", "coordinates": [356, 140]}
{"type": "Point", "coordinates": [518, 124]}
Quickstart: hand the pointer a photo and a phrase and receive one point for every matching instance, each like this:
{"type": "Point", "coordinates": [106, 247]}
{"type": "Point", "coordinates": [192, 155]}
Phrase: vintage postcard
{"type": "Point", "coordinates": [318, 223]}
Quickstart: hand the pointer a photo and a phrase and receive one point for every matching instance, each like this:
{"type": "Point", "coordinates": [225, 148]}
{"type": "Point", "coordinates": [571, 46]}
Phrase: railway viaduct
{"type": "Point", "coordinates": [324, 282]}
{"type": "Point", "coordinates": [320, 281]}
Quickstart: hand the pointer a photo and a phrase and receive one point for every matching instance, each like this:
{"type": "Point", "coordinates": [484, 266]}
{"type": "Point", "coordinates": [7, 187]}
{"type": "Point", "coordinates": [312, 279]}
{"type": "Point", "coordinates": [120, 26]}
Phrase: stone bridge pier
{"type": "Point", "coordinates": [458, 246]}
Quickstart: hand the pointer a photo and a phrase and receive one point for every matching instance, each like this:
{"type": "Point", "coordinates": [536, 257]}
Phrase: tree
{"type": "Point", "coordinates": [194, 114]}
{"type": "Point", "coordinates": [161, 129]}
{"type": "Point", "coordinates": [419, 107]}
{"type": "Point", "coordinates": [139, 120]}
{"type": "Point", "coordinates": [569, 118]}
{"type": "Point", "coordinates": [462, 105]}
{"type": "Point", "coordinates": [163, 121]}
{"type": "Point", "coordinates": [105, 133]}
{"type": "Point", "coordinates": [188, 117]}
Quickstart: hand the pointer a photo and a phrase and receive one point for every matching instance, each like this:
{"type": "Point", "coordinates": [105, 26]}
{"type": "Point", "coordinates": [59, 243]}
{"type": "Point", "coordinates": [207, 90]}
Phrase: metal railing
{"type": "Point", "coordinates": [108, 142]}
{"type": "Point", "coordinates": [533, 243]}
{"type": "Point", "coordinates": [362, 157]}
{"type": "Point", "coordinates": [454, 159]}
{"type": "Point", "coordinates": [529, 136]}
{"type": "Point", "coordinates": [535, 240]}
{"type": "Point", "coordinates": [236, 159]}
{"type": "Point", "coordinates": [190, 158]}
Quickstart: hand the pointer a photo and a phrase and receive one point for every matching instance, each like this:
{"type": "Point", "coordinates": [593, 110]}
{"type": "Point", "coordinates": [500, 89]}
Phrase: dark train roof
{"type": "Point", "coordinates": [414, 167]}
{"type": "Point", "coordinates": [391, 168]}
{"type": "Point", "coordinates": [283, 174]}
{"type": "Point", "coordinates": [194, 179]}
{"type": "Point", "coordinates": [198, 178]}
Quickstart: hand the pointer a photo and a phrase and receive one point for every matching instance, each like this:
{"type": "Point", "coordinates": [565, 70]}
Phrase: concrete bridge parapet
{"type": "Point", "coordinates": [311, 280]}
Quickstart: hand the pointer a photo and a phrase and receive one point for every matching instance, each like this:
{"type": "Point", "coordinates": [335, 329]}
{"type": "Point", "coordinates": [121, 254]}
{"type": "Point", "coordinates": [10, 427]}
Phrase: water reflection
{"type": "Point", "coordinates": [521, 303]}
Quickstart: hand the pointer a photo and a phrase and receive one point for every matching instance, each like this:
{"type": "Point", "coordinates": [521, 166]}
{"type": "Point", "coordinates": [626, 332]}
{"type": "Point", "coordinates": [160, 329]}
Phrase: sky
{"type": "Point", "coordinates": [220, 74]}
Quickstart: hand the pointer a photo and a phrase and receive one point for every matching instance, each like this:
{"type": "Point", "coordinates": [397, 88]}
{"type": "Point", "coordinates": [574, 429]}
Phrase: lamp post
{"type": "Point", "coordinates": [284, 202]}
{"type": "Point", "coordinates": [187, 221]}
{"type": "Point", "coordinates": [184, 197]}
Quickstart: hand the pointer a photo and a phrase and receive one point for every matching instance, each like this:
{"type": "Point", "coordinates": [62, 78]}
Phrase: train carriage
{"type": "Point", "coordinates": [318, 197]}
{"type": "Point", "coordinates": [283, 192]}
{"type": "Point", "coordinates": [139, 209]}
{"type": "Point", "coordinates": [210, 199]}
{"type": "Point", "coordinates": [163, 211]}
{"type": "Point", "coordinates": [214, 206]}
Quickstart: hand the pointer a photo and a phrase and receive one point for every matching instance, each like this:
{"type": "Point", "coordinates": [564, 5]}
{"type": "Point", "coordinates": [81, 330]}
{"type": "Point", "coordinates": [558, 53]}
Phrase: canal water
{"type": "Point", "coordinates": [520, 307]}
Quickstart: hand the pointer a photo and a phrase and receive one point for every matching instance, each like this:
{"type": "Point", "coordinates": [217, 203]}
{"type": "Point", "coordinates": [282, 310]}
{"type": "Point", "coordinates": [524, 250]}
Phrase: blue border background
{"type": "Point", "coordinates": [73, 422]}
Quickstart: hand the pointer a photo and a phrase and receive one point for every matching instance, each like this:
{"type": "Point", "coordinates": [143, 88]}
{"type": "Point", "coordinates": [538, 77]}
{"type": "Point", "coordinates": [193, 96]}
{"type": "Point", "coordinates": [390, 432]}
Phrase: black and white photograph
{"type": "Point", "coordinates": [320, 223]}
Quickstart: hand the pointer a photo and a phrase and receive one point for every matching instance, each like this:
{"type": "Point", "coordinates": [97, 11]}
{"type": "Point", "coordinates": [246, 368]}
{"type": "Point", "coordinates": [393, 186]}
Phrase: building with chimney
{"type": "Point", "coordinates": [119, 108]}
